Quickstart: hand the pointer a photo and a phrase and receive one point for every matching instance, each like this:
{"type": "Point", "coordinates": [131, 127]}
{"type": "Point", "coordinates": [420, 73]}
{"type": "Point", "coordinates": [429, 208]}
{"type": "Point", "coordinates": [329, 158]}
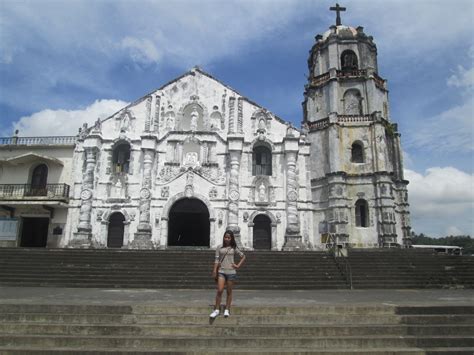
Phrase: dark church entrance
{"type": "Point", "coordinates": [262, 233]}
{"type": "Point", "coordinates": [115, 235]}
{"type": "Point", "coordinates": [34, 232]}
{"type": "Point", "coordinates": [189, 224]}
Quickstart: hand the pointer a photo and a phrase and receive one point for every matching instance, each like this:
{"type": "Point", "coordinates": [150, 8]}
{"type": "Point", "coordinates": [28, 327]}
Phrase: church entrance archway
{"type": "Point", "coordinates": [262, 233]}
{"type": "Point", "coordinates": [34, 232]}
{"type": "Point", "coordinates": [116, 228]}
{"type": "Point", "coordinates": [189, 223]}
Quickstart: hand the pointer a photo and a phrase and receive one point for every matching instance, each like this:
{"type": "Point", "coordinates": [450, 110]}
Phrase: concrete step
{"type": "Point", "coordinates": [267, 351]}
{"type": "Point", "coordinates": [215, 343]}
{"type": "Point", "coordinates": [324, 330]}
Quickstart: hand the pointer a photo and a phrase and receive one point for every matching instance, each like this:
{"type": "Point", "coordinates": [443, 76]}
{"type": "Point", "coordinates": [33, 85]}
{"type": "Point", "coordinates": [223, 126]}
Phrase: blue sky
{"type": "Point", "coordinates": [63, 63]}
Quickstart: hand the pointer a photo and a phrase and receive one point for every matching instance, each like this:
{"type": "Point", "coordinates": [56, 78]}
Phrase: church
{"type": "Point", "coordinates": [184, 163]}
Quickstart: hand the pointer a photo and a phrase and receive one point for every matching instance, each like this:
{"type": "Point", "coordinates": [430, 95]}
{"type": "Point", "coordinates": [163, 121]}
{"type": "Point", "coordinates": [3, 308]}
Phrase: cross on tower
{"type": "Point", "coordinates": [338, 10]}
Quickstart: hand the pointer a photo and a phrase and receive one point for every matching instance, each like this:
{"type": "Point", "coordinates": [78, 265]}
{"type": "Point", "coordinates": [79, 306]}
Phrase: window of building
{"type": "Point", "coordinates": [357, 152]}
{"type": "Point", "coordinates": [121, 158]}
{"type": "Point", "coordinates": [349, 61]}
{"type": "Point", "coordinates": [362, 213]}
{"type": "Point", "coordinates": [262, 161]}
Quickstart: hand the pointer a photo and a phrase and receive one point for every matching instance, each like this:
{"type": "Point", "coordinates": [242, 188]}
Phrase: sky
{"type": "Point", "coordinates": [63, 63]}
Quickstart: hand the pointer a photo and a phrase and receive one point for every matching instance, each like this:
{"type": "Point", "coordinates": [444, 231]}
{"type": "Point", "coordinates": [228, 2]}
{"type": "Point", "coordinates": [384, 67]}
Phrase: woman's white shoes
{"type": "Point", "coordinates": [215, 313]}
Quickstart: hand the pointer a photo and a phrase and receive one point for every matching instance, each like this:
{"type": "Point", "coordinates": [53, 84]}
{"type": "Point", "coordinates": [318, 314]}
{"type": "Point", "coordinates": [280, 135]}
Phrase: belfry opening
{"type": "Point", "coordinates": [189, 224]}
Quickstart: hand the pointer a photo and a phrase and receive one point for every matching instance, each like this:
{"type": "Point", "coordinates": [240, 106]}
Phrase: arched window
{"type": "Point", "coordinates": [349, 61]}
{"type": "Point", "coordinates": [261, 161]}
{"type": "Point", "coordinates": [357, 152]}
{"type": "Point", "coordinates": [39, 179]}
{"type": "Point", "coordinates": [121, 158]}
{"type": "Point", "coordinates": [362, 213]}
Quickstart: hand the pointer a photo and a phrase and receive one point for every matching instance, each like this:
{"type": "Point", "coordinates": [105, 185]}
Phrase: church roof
{"type": "Point", "coordinates": [341, 30]}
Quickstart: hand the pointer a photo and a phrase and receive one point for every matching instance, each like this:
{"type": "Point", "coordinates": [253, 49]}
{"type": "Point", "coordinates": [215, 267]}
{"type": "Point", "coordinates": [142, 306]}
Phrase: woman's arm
{"type": "Point", "coordinates": [237, 266]}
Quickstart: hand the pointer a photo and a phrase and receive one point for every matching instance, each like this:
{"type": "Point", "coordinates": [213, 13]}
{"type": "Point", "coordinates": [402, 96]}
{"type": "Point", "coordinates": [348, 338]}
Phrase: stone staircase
{"type": "Point", "coordinates": [174, 269]}
{"type": "Point", "coordinates": [409, 268]}
{"type": "Point", "coordinates": [319, 329]}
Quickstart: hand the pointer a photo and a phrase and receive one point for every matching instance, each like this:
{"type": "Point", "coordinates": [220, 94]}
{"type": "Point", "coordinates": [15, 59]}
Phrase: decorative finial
{"type": "Point", "coordinates": [338, 10]}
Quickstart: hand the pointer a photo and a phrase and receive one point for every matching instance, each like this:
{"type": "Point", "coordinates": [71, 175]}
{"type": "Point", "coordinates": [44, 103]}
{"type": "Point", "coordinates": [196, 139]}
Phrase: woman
{"type": "Point", "coordinates": [225, 271]}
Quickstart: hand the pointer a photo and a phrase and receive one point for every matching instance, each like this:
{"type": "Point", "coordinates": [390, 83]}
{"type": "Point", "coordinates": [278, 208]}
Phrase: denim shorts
{"type": "Point", "coordinates": [228, 277]}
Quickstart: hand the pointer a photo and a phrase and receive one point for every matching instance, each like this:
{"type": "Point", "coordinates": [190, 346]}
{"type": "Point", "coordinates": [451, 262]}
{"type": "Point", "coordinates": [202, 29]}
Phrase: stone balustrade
{"type": "Point", "coordinates": [55, 140]}
{"type": "Point", "coordinates": [29, 192]}
{"type": "Point", "coordinates": [354, 118]}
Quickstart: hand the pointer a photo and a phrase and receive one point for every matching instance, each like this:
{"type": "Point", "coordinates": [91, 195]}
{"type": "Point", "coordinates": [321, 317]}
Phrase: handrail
{"type": "Point", "coordinates": [59, 140]}
{"type": "Point", "coordinates": [29, 191]}
{"type": "Point", "coordinates": [337, 256]}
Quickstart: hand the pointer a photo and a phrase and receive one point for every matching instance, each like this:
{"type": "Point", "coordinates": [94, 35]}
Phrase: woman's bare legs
{"type": "Point", "coordinates": [230, 285]}
{"type": "Point", "coordinates": [220, 290]}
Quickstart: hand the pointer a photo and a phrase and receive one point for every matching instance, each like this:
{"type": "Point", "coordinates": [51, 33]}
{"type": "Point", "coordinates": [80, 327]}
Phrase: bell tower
{"type": "Point", "coordinates": [357, 182]}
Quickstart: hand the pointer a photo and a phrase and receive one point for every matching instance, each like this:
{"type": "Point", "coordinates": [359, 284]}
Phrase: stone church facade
{"type": "Point", "coordinates": [194, 158]}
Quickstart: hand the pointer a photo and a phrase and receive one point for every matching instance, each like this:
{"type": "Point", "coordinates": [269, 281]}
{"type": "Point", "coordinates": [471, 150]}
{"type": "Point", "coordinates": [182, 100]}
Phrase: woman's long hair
{"type": "Point", "coordinates": [233, 244]}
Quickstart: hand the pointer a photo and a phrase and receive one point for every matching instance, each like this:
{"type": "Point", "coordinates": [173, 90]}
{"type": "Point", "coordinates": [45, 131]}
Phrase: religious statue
{"type": "Point", "coordinates": [194, 118]}
{"type": "Point", "coordinates": [262, 193]}
{"type": "Point", "coordinates": [170, 120]}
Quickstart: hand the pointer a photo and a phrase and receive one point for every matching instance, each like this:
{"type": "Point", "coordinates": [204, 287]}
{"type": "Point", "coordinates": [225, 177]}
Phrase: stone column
{"type": "Point", "coordinates": [293, 239]}
{"type": "Point", "coordinates": [83, 235]}
{"type": "Point", "coordinates": [142, 238]}
{"type": "Point", "coordinates": [235, 152]}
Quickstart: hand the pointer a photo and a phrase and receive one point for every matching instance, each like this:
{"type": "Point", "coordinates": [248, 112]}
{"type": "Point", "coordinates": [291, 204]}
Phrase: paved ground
{"type": "Point", "coordinates": [94, 296]}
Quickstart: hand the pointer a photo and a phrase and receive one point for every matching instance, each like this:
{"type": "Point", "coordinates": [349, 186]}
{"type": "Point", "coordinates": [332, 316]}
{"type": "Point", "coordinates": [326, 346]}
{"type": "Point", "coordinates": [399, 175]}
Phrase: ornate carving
{"type": "Point", "coordinates": [213, 192]}
{"type": "Point", "coordinates": [165, 191]}
{"type": "Point", "coordinates": [145, 193]}
{"type": "Point", "coordinates": [246, 216]}
{"type": "Point", "coordinates": [168, 172]}
{"type": "Point", "coordinates": [86, 195]}
{"type": "Point", "coordinates": [213, 174]}
{"type": "Point", "coordinates": [234, 195]}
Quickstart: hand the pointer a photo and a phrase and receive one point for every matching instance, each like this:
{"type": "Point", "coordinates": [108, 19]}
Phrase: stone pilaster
{"type": "Point", "coordinates": [293, 239]}
{"type": "Point", "coordinates": [232, 115]}
{"type": "Point", "coordinates": [148, 114]}
{"type": "Point", "coordinates": [386, 220]}
{"type": "Point", "coordinates": [156, 124]}
{"type": "Point", "coordinates": [142, 238]}
{"type": "Point", "coordinates": [235, 152]}
{"type": "Point", "coordinates": [83, 236]}
{"type": "Point", "coordinates": [240, 119]}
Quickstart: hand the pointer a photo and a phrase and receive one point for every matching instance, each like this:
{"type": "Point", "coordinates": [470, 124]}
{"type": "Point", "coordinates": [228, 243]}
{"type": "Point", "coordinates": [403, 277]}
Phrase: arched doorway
{"type": "Point", "coordinates": [262, 233]}
{"type": "Point", "coordinates": [116, 227]}
{"type": "Point", "coordinates": [39, 179]}
{"type": "Point", "coordinates": [189, 223]}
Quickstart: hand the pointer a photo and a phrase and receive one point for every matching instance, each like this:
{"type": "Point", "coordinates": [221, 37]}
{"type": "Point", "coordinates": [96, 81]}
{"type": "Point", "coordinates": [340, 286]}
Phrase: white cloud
{"type": "Point", "coordinates": [141, 50]}
{"type": "Point", "coordinates": [464, 78]}
{"type": "Point", "coordinates": [440, 200]}
{"type": "Point", "coordinates": [413, 27]}
{"type": "Point", "coordinates": [453, 129]}
{"type": "Point", "coordinates": [65, 122]}
{"type": "Point", "coordinates": [453, 230]}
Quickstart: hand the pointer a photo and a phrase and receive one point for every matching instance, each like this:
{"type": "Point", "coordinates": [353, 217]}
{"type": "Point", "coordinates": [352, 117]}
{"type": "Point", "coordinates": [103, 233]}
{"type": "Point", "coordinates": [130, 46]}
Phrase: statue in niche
{"type": "Point", "coordinates": [125, 123]}
{"type": "Point", "coordinates": [191, 159]}
{"type": "Point", "coordinates": [262, 192]}
{"type": "Point", "coordinates": [194, 118]}
{"type": "Point", "coordinates": [117, 189]}
{"type": "Point", "coordinates": [170, 120]}
{"type": "Point", "coordinates": [262, 125]}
